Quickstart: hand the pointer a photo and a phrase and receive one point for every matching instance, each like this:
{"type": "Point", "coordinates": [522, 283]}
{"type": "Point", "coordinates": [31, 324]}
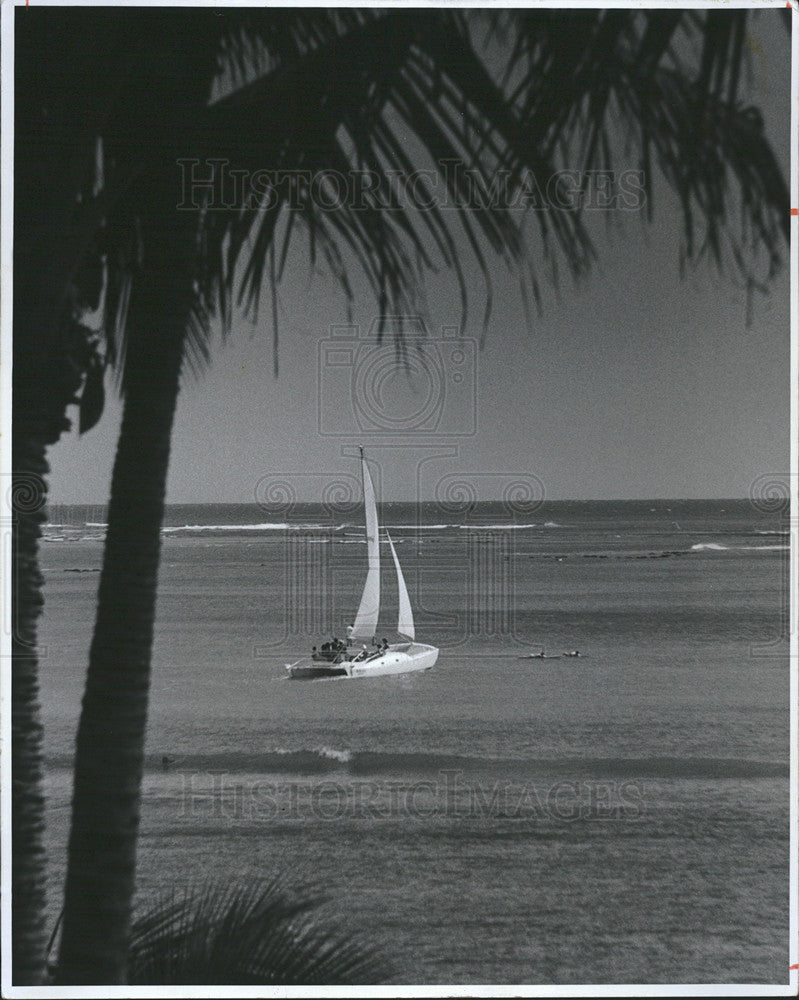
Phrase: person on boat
{"type": "Point", "coordinates": [314, 653]}
{"type": "Point", "coordinates": [384, 646]}
{"type": "Point", "coordinates": [350, 630]}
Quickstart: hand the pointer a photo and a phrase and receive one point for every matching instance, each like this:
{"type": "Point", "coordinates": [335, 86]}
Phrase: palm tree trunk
{"type": "Point", "coordinates": [46, 377]}
{"type": "Point", "coordinates": [110, 742]}
{"type": "Point", "coordinates": [28, 864]}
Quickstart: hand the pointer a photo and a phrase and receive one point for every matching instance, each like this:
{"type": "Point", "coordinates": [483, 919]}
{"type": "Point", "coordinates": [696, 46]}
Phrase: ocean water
{"type": "Point", "coordinates": [621, 817]}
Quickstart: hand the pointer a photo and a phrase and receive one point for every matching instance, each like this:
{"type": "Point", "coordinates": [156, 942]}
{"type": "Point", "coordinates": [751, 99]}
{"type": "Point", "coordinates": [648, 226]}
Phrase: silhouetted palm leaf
{"type": "Point", "coordinates": [266, 934]}
{"type": "Point", "coordinates": [387, 92]}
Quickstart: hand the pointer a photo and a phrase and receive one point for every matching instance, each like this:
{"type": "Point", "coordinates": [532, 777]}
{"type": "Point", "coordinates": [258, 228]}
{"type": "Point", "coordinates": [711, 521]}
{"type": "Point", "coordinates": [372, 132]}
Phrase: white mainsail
{"type": "Point", "coordinates": [405, 624]}
{"type": "Point", "coordinates": [369, 608]}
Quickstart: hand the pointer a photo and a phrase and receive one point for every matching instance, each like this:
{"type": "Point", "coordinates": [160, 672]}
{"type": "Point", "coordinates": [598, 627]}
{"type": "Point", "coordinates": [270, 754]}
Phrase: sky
{"type": "Point", "coordinates": [635, 384]}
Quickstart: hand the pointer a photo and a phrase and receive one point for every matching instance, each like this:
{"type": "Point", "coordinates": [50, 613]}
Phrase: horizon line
{"type": "Point", "coordinates": [539, 503]}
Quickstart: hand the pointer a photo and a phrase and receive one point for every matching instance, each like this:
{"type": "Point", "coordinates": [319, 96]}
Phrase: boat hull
{"type": "Point", "coordinates": [401, 658]}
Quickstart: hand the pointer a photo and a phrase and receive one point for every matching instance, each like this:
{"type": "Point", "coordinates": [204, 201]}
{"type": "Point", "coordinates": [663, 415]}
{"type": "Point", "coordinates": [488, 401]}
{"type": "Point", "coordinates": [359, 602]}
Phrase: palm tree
{"type": "Point", "coordinates": [311, 90]}
{"type": "Point", "coordinates": [34, 430]}
{"type": "Point", "coordinates": [57, 361]}
{"type": "Point", "coordinates": [63, 193]}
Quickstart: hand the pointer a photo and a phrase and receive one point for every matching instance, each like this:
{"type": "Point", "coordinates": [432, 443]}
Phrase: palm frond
{"type": "Point", "coordinates": [349, 105]}
{"type": "Point", "coordinates": [666, 85]}
{"type": "Point", "coordinates": [384, 93]}
{"type": "Point", "coordinates": [585, 79]}
{"type": "Point", "coordinates": [267, 934]}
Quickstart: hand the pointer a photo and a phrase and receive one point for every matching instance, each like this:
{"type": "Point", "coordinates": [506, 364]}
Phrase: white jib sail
{"type": "Point", "coordinates": [405, 624]}
{"type": "Point", "coordinates": [369, 608]}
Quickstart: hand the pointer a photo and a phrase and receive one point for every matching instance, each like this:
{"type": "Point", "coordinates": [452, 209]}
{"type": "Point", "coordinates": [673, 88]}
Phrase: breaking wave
{"type": "Point", "coordinates": [329, 760]}
{"type": "Point", "coordinates": [266, 526]}
{"type": "Point", "coordinates": [715, 547]}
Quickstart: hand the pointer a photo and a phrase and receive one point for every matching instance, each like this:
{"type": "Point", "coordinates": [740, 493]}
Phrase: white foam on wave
{"type": "Point", "coordinates": [74, 538]}
{"type": "Point", "coordinates": [714, 546]}
{"type": "Point", "coordinates": [342, 756]}
{"type": "Point", "coordinates": [496, 527]}
{"type": "Point", "coordinates": [763, 548]}
{"type": "Point", "coordinates": [420, 527]}
{"type": "Point", "coordinates": [265, 526]}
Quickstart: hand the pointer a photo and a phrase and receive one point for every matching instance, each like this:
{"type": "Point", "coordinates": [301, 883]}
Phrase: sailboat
{"type": "Point", "coordinates": [360, 658]}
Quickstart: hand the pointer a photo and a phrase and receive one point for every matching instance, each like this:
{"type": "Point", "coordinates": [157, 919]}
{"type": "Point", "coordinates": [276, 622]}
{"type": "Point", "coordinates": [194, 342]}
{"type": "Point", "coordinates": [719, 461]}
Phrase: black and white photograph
{"type": "Point", "coordinates": [399, 499]}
